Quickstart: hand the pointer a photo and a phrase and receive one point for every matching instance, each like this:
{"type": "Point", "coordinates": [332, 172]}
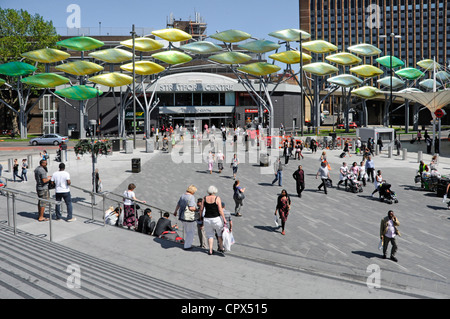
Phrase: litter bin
{"type": "Point", "coordinates": [135, 165]}
{"type": "Point", "coordinates": [75, 135]}
{"type": "Point", "coordinates": [264, 160]}
{"type": "Point", "coordinates": [115, 145]}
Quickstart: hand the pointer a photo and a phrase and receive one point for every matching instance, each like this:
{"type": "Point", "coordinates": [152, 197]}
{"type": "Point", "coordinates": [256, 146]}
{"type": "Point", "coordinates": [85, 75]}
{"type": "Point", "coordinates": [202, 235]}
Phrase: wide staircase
{"type": "Point", "coordinates": [35, 268]}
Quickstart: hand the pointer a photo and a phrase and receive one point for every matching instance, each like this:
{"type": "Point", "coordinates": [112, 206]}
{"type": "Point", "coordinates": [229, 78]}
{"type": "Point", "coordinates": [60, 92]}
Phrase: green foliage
{"type": "Point", "coordinates": [22, 32]}
{"type": "Point", "coordinates": [101, 147]}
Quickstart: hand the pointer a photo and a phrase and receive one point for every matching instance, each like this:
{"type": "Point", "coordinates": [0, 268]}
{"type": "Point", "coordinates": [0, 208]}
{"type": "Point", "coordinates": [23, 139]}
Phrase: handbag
{"type": "Point", "coordinates": [189, 215]}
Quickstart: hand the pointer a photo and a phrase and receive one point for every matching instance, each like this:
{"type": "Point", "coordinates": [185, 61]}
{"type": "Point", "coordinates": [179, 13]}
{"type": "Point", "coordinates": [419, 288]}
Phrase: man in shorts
{"type": "Point", "coordinates": [42, 181]}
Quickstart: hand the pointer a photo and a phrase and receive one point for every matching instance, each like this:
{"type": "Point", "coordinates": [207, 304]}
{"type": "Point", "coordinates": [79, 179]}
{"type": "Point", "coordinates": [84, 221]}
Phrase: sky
{"type": "Point", "coordinates": [257, 18]}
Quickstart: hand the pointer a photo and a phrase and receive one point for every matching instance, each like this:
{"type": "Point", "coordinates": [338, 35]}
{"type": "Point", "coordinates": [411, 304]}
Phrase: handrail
{"type": "Point", "coordinates": [15, 193]}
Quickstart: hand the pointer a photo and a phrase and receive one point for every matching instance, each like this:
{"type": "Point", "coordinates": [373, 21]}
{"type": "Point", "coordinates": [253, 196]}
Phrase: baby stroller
{"type": "Point", "coordinates": [353, 184]}
{"type": "Point", "coordinates": [58, 156]}
{"type": "Point", "coordinates": [386, 194]}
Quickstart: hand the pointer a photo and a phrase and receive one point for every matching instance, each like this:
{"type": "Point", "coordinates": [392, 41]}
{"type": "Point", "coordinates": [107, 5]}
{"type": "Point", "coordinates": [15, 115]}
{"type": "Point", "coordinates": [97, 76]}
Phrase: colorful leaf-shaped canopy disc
{"type": "Point", "coordinates": [2, 82]}
{"type": "Point", "coordinates": [320, 68]}
{"type": "Point", "coordinates": [443, 76]}
{"type": "Point", "coordinates": [396, 82]}
{"type": "Point", "coordinates": [290, 57]}
{"type": "Point", "coordinates": [231, 36]}
{"type": "Point", "coordinates": [259, 46]}
{"type": "Point", "coordinates": [364, 49]}
{"type": "Point", "coordinates": [386, 61]}
{"type": "Point", "coordinates": [366, 71]}
{"type": "Point", "coordinates": [343, 58]}
{"type": "Point", "coordinates": [172, 35]}
{"type": "Point", "coordinates": [230, 58]}
{"type": "Point", "coordinates": [45, 80]}
{"type": "Point", "coordinates": [259, 68]}
{"type": "Point", "coordinates": [201, 47]}
{"type": "Point", "coordinates": [319, 46]}
{"type": "Point", "coordinates": [46, 55]}
{"type": "Point", "coordinates": [16, 68]}
{"type": "Point", "coordinates": [409, 73]}
{"type": "Point", "coordinates": [290, 35]}
{"type": "Point", "coordinates": [345, 80]}
{"type": "Point", "coordinates": [81, 43]}
{"type": "Point", "coordinates": [143, 67]}
{"type": "Point", "coordinates": [366, 92]}
{"type": "Point", "coordinates": [143, 44]}
{"type": "Point", "coordinates": [112, 55]}
{"type": "Point", "coordinates": [172, 57]}
{"type": "Point", "coordinates": [429, 84]}
{"type": "Point", "coordinates": [428, 64]}
{"type": "Point", "coordinates": [80, 68]}
{"type": "Point", "coordinates": [112, 79]}
{"type": "Point", "coordinates": [79, 92]}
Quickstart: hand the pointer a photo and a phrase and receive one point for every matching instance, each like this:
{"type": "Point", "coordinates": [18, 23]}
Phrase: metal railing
{"type": "Point", "coordinates": [12, 194]}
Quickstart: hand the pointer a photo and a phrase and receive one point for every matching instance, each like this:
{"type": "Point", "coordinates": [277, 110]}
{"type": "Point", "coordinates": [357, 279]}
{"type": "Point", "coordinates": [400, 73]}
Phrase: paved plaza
{"type": "Point", "coordinates": [330, 249]}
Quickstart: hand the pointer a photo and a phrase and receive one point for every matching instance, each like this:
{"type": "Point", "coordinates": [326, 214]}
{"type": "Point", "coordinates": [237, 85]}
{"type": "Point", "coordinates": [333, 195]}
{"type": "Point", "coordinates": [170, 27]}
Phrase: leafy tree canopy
{"type": "Point", "coordinates": [21, 32]}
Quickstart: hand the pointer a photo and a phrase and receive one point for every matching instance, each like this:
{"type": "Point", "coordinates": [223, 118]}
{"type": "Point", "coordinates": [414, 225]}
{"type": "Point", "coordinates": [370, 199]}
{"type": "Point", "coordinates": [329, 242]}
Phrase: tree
{"type": "Point", "coordinates": [21, 32]}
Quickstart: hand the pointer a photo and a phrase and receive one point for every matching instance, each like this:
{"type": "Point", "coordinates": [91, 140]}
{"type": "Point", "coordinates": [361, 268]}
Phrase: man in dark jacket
{"type": "Point", "coordinates": [163, 225]}
{"type": "Point", "coordinates": [145, 223]}
{"type": "Point", "coordinates": [299, 176]}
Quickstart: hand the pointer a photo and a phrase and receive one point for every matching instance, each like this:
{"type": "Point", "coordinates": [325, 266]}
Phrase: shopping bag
{"type": "Point", "coordinates": [445, 198]}
{"type": "Point", "coordinates": [226, 238]}
{"type": "Point", "coordinates": [380, 244]}
{"type": "Point", "coordinates": [276, 221]}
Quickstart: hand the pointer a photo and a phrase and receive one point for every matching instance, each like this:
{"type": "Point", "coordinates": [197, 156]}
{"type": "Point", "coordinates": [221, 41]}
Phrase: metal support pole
{"type": "Point", "coordinates": [14, 213]}
{"type": "Point", "coordinates": [133, 33]}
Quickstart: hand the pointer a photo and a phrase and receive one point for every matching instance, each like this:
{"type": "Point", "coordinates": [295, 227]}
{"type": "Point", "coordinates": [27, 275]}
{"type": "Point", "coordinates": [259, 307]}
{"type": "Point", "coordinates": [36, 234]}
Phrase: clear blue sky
{"type": "Point", "coordinates": [257, 18]}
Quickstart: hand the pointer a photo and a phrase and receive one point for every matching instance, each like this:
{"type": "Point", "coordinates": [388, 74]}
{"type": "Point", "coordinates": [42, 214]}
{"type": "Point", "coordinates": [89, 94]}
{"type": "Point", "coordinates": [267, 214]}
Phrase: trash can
{"type": "Point", "coordinates": [264, 160]}
{"type": "Point", "coordinates": [115, 145]}
{"type": "Point", "coordinates": [75, 135]}
{"type": "Point", "coordinates": [135, 165]}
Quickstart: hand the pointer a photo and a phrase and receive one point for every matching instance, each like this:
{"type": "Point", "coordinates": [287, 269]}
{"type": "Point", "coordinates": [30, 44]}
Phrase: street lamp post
{"type": "Point", "coordinates": [93, 124]}
{"type": "Point", "coordinates": [133, 33]}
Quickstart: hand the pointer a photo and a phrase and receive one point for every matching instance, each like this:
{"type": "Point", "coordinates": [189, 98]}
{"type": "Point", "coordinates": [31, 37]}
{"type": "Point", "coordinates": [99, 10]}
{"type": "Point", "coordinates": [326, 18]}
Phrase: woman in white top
{"type": "Point", "coordinates": [129, 198]}
{"type": "Point", "coordinates": [362, 176]}
{"type": "Point", "coordinates": [378, 180]}
{"type": "Point", "coordinates": [343, 174]}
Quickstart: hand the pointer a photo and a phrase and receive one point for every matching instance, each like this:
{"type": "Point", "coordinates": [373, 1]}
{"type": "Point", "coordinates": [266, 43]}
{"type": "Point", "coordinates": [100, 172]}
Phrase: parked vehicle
{"type": "Point", "coordinates": [350, 125]}
{"type": "Point", "coordinates": [49, 139]}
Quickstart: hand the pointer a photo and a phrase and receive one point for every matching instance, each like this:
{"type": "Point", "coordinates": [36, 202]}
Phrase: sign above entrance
{"type": "Point", "coordinates": [195, 87]}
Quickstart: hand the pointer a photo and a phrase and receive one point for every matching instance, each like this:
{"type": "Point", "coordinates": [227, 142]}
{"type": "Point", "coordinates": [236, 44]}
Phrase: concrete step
{"type": "Point", "coordinates": [31, 267]}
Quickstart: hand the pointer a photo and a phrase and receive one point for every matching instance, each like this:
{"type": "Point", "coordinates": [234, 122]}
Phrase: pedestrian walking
{"type": "Point", "coordinates": [24, 170]}
{"type": "Point", "coordinates": [362, 175]}
{"type": "Point", "coordinates": [187, 203]}
{"type": "Point", "coordinates": [210, 160]}
{"type": "Point", "coordinates": [213, 219]}
{"type": "Point", "coordinates": [283, 208]}
{"type": "Point", "coordinates": [220, 159]}
{"type": "Point", "coordinates": [378, 180]}
{"type": "Point", "coordinates": [42, 181]}
{"type": "Point", "coordinates": [238, 196]}
{"type": "Point", "coordinates": [200, 228]}
{"type": "Point", "coordinates": [388, 234]}
{"type": "Point", "coordinates": [278, 170]}
{"type": "Point", "coordinates": [324, 176]}
{"type": "Point", "coordinates": [370, 168]}
{"type": "Point", "coordinates": [343, 172]}
{"type": "Point", "coordinates": [16, 170]}
{"type": "Point", "coordinates": [234, 164]}
{"type": "Point", "coordinates": [299, 176]}
{"type": "Point", "coordinates": [129, 204]}
{"type": "Point", "coordinates": [62, 182]}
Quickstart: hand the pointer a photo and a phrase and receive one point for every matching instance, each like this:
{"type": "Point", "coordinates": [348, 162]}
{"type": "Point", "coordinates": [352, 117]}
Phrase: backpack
{"type": "Point", "coordinates": [172, 236]}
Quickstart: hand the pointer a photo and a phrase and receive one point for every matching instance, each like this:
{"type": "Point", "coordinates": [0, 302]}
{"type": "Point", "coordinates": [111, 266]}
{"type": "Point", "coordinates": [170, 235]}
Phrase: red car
{"type": "Point", "coordinates": [350, 125]}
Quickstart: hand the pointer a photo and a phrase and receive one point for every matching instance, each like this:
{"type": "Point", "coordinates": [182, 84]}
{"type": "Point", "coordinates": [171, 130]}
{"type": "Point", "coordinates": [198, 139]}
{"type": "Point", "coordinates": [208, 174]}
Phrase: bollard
{"type": "Point", "coordinates": [405, 153]}
{"type": "Point", "coordinates": [377, 149]}
{"type": "Point", "coordinates": [30, 160]}
{"type": "Point", "coordinates": [419, 156]}
{"type": "Point", "coordinates": [10, 164]}
{"type": "Point", "coordinates": [150, 146]}
{"type": "Point", "coordinates": [390, 151]}
{"type": "Point", "coordinates": [129, 147]}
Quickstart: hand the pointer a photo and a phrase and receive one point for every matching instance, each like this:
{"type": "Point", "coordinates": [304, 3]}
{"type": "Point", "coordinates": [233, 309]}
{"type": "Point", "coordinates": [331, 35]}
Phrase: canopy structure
{"type": "Point", "coordinates": [432, 100]}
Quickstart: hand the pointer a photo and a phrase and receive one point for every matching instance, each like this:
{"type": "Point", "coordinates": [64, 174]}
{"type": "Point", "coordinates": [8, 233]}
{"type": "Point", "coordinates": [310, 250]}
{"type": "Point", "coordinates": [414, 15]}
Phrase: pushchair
{"type": "Point", "coordinates": [387, 194]}
{"type": "Point", "coordinates": [58, 156]}
{"type": "Point", "coordinates": [353, 184]}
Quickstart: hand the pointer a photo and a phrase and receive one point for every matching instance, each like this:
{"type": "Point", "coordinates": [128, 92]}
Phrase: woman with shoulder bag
{"type": "Point", "coordinates": [213, 219]}
{"type": "Point", "coordinates": [186, 208]}
{"type": "Point", "coordinates": [238, 196]}
{"type": "Point", "coordinates": [283, 207]}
